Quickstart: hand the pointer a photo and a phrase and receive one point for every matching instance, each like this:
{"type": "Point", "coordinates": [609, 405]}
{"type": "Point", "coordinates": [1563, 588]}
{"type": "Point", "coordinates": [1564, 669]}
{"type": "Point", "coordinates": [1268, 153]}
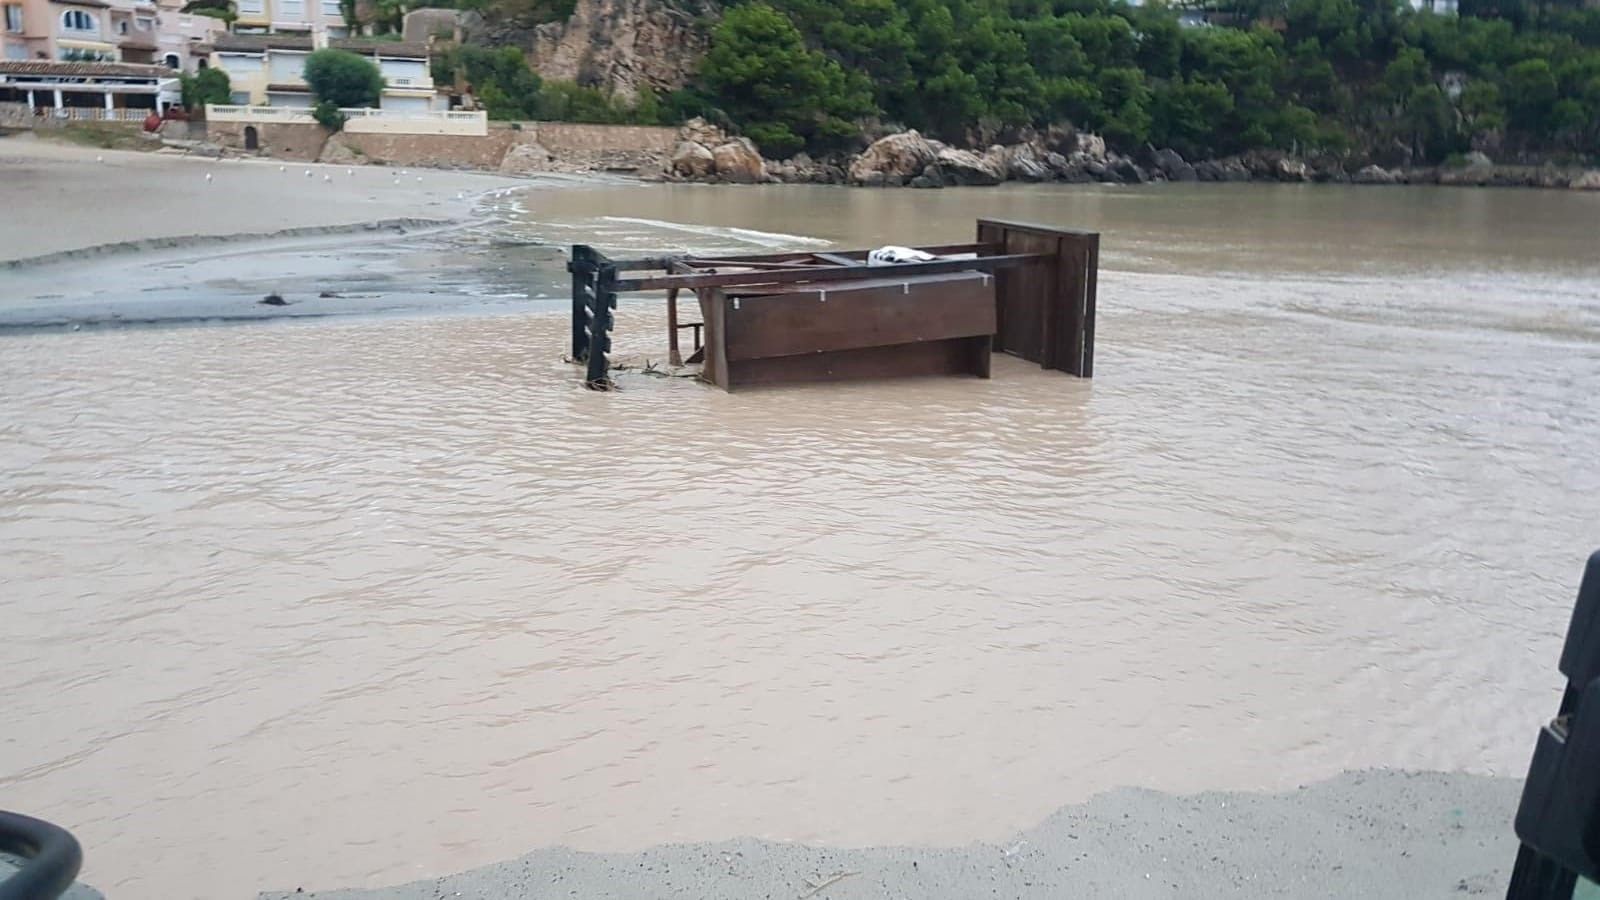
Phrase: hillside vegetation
{"type": "Point", "coordinates": [1362, 77]}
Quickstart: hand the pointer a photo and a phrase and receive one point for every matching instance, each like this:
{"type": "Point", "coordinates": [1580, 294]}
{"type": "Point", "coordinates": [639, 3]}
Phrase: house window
{"type": "Point", "coordinates": [122, 27]}
{"type": "Point", "coordinates": [291, 9]}
{"type": "Point", "coordinates": [16, 52]}
{"type": "Point", "coordinates": [252, 7]}
{"type": "Point", "coordinates": [76, 54]}
{"type": "Point", "coordinates": [143, 24]}
{"type": "Point", "coordinates": [172, 61]}
{"type": "Point", "coordinates": [14, 19]}
{"type": "Point", "coordinates": [331, 8]}
{"type": "Point", "coordinates": [78, 20]}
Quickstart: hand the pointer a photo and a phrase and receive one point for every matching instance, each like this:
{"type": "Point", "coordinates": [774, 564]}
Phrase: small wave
{"type": "Point", "coordinates": [769, 239]}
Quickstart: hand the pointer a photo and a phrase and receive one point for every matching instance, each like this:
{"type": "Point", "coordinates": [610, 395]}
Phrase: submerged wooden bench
{"type": "Point", "coordinates": [782, 318]}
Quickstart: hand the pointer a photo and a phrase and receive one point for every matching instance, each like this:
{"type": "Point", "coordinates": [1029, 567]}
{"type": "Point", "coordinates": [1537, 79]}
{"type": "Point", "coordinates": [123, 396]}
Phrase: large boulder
{"type": "Point", "coordinates": [526, 157]}
{"type": "Point", "coordinates": [1126, 172]}
{"type": "Point", "coordinates": [968, 168]}
{"type": "Point", "coordinates": [1025, 162]}
{"type": "Point", "coordinates": [894, 159]}
{"type": "Point", "coordinates": [739, 161]}
{"type": "Point", "coordinates": [1169, 163]}
{"type": "Point", "coordinates": [1588, 180]}
{"type": "Point", "coordinates": [1090, 147]}
{"type": "Point", "coordinates": [1328, 170]}
{"type": "Point", "coordinates": [700, 131]}
{"type": "Point", "coordinates": [691, 159]}
{"type": "Point", "coordinates": [1292, 170]}
{"type": "Point", "coordinates": [1374, 175]}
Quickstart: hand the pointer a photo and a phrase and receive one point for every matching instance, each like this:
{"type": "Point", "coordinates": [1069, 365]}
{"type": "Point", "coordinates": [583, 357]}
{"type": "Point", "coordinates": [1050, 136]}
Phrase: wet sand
{"type": "Point", "coordinates": [1380, 834]}
{"type": "Point", "coordinates": [175, 247]}
{"type": "Point", "coordinates": [59, 198]}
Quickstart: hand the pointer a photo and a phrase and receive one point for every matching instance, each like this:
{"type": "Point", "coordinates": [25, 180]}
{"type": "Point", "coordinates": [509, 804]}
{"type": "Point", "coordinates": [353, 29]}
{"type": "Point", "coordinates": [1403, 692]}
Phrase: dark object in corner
{"type": "Point", "coordinates": [1558, 820]}
{"type": "Point", "coordinates": [273, 300]}
{"type": "Point", "coordinates": [51, 858]}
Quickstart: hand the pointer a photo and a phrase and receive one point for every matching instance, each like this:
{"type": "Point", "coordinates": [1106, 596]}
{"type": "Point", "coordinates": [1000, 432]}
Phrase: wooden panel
{"type": "Point", "coordinates": [1026, 296]}
{"type": "Point", "coordinates": [1091, 287]}
{"type": "Point", "coordinates": [1045, 313]}
{"type": "Point", "coordinates": [714, 367]}
{"type": "Point", "coordinates": [956, 356]}
{"type": "Point", "coordinates": [881, 313]}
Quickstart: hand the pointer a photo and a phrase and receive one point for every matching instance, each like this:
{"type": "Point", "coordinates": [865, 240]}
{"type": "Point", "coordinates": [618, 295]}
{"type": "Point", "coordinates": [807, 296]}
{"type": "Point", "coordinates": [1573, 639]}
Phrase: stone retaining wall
{"type": "Point", "coordinates": [281, 141]}
{"type": "Point", "coordinates": [561, 146]}
{"type": "Point", "coordinates": [441, 150]}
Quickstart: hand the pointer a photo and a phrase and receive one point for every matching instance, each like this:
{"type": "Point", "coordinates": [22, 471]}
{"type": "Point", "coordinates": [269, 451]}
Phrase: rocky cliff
{"type": "Point", "coordinates": [624, 46]}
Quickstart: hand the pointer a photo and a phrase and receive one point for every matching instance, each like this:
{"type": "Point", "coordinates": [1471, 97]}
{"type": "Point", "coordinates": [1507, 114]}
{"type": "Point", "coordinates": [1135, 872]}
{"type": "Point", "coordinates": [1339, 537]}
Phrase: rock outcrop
{"type": "Point", "coordinates": [966, 167]}
{"type": "Point", "coordinates": [739, 161]}
{"type": "Point", "coordinates": [691, 159]}
{"type": "Point", "coordinates": [1172, 165]}
{"type": "Point", "coordinates": [700, 131]}
{"type": "Point", "coordinates": [1026, 162]}
{"type": "Point", "coordinates": [1374, 175]}
{"type": "Point", "coordinates": [1292, 170]}
{"type": "Point", "coordinates": [619, 46]}
{"type": "Point", "coordinates": [893, 160]}
{"type": "Point", "coordinates": [525, 158]}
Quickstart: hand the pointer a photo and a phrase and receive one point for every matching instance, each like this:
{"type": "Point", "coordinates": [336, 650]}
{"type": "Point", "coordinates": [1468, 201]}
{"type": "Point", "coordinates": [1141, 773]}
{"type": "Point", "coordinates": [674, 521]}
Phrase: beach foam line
{"type": "Point", "coordinates": [399, 226]}
{"type": "Point", "coordinates": [769, 239]}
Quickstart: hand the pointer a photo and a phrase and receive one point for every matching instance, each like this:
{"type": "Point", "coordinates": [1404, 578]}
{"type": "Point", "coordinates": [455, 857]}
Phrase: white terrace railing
{"type": "Point", "coordinates": [263, 114]}
{"type": "Point", "coordinates": [362, 121]}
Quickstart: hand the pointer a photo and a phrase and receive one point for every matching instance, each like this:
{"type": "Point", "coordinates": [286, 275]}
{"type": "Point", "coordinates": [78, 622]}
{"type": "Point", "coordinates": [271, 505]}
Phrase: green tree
{"type": "Point", "coordinates": [500, 79]}
{"type": "Point", "coordinates": [1428, 120]}
{"type": "Point", "coordinates": [1481, 106]}
{"type": "Point", "coordinates": [1531, 91]}
{"type": "Point", "coordinates": [1186, 116]}
{"type": "Point", "coordinates": [216, 9]}
{"type": "Point", "coordinates": [206, 86]}
{"type": "Point", "coordinates": [786, 95]}
{"type": "Point", "coordinates": [343, 79]}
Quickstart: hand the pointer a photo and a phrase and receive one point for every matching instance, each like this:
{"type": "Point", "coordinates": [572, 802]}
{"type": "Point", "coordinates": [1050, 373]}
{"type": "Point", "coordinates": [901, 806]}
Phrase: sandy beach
{"type": "Point", "coordinates": [184, 238]}
{"type": "Point", "coordinates": [66, 197]}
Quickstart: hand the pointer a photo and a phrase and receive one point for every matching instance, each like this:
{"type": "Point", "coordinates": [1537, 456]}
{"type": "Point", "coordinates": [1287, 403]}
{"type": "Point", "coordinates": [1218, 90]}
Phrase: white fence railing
{"type": "Point", "coordinates": [362, 121]}
{"type": "Point", "coordinates": [94, 114]}
{"type": "Point", "coordinates": [264, 114]}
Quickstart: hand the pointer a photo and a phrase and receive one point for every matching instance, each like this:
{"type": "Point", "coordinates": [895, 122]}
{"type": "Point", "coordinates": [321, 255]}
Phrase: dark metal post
{"type": "Point", "coordinates": [601, 321]}
{"type": "Point", "coordinates": [581, 265]}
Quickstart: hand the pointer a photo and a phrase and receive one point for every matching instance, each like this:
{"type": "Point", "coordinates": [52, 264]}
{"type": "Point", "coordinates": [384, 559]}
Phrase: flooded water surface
{"type": "Point", "coordinates": [357, 601]}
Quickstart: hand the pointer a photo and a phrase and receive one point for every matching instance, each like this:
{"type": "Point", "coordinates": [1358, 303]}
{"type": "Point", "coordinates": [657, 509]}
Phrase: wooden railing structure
{"type": "Point", "coordinates": [1027, 290]}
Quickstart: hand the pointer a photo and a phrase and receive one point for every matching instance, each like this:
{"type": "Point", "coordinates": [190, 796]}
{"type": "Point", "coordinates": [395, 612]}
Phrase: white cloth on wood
{"type": "Point", "coordinates": [888, 256]}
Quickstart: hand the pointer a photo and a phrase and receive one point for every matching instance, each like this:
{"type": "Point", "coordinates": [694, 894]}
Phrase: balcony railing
{"type": "Point", "coordinates": [286, 114]}
{"type": "Point", "coordinates": [363, 121]}
{"type": "Point", "coordinates": [95, 114]}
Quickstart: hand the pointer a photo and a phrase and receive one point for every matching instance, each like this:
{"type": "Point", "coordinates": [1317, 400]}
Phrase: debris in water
{"type": "Point", "coordinates": [273, 300]}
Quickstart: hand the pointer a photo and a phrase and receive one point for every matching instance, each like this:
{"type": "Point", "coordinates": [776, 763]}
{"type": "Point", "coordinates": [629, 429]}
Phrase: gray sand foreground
{"type": "Point", "coordinates": [1360, 834]}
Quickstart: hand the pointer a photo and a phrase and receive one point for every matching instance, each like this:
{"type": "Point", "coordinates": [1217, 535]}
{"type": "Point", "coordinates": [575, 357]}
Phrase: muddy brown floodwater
{"type": "Point", "coordinates": [351, 602]}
